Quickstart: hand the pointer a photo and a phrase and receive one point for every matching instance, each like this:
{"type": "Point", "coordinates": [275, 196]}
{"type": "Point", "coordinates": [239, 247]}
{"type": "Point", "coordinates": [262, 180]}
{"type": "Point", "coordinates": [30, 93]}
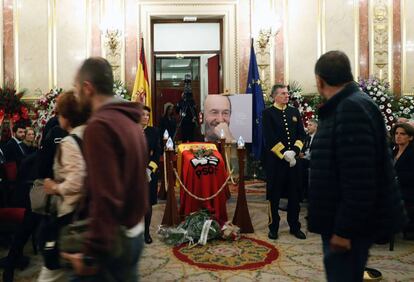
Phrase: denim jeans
{"type": "Point", "coordinates": [346, 266]}
{"type": "Point", "coordinates": [123, 269]}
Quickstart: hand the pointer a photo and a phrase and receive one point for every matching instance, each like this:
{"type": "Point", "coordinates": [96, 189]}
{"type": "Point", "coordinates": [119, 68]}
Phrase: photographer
{"type": "Point", "coordinates": [187, 109]}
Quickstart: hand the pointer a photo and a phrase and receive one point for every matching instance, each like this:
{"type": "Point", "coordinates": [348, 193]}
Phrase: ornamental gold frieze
{"type": "Point", "coordinates": [381, 39]}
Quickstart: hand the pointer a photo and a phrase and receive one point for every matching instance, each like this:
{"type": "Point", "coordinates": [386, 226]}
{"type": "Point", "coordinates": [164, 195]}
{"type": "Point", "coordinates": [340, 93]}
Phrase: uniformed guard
{"type": "Point", "coordinates": [283, 138]}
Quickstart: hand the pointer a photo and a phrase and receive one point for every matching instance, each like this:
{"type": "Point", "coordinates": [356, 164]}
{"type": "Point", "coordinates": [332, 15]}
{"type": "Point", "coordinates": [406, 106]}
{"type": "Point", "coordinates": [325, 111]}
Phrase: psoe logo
{"type": "Point", "coordinates": [205, 165]}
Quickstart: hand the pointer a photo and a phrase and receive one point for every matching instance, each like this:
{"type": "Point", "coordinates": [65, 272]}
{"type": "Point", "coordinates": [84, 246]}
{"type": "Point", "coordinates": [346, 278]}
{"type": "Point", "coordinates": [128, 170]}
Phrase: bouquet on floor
{"type": "Point", "coordinates": [230, 232]}
{"type": "Point", "coordinates": [197, 228]}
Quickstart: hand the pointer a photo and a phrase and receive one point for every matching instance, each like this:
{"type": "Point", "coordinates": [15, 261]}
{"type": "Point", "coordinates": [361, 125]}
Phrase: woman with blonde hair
{"type": "Point", "coordinates": [29, 141]}
{"type": "Point", "coordinates": [69, 172]}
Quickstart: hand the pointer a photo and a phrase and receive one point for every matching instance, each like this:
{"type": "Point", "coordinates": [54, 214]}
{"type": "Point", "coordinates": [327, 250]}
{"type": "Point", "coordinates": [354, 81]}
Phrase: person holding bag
{"type": "Point", "coordinates": [67, 186]}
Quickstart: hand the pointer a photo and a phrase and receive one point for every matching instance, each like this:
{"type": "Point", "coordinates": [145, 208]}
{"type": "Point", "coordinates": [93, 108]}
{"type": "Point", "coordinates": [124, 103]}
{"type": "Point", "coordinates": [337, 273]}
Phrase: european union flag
{"type": "Point", "coordinates": [254, 87]}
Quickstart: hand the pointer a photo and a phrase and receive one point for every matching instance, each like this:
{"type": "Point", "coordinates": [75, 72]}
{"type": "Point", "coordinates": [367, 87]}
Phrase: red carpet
{"type": "Point", "coordinates": [245, 254]}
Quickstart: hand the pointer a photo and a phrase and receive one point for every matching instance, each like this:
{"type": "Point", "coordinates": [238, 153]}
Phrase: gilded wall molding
{"type": "Point", "coordinates": [2, 44]}
{"type": "Point", "coordinates": [356, 38]}
{"type": "Point", "coordinates": [403, 48]}
{"type": "Point", "coordinates": [16, 14]}
{"type": "Point", "coordinates": [321, 28]}
{"type": "Point", "coordinates": [380, 15]}
{"type": "Point", "coordinates": [264, 47]}
{"type": "Point", "coordinates": [113, 41]}
{"type": "Point", "coordinates": [286, 40]}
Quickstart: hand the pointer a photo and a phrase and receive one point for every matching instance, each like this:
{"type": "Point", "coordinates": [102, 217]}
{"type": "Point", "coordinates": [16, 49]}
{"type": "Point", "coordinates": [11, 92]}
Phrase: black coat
{"type": "Point", "coordinates": [45, 155]}
{"type": "Point", "coordinates": [154, 153]}
{"type": "Point", "coordinates": [404, 167]}
{"type": "Point", "coordinates": [353, 191]}
{"type": "Point", "coordinates": [14, 152]}
{"type": "Point", "coordinates": [168, 123]}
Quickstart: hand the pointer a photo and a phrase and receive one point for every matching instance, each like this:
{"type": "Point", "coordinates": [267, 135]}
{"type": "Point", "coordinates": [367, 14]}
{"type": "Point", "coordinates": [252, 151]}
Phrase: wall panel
{"type": "Point", "coordinates": [408, 46]}
{"type": "Point", "coordinates": [340, 30]}
{"type": "Point", "coordinates": [71, 39]}
{"type": "Point", "coordinates": [302, 42]}
{"type": "Point", "coordinates": [32, 32]}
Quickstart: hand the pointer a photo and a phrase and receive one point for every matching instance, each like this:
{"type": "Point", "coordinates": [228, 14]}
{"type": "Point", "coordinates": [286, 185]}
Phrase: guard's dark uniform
{"type": "Point", "coordinates": [283, 130]}
{"type": "Point", "coordinates": [154, 150]}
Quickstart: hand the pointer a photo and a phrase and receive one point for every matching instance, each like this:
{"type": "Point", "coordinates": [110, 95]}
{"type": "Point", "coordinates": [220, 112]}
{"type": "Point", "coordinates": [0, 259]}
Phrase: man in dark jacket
{"type": "Point", "coordinates": [13, 150]}
{"type": "Point", "coordinates": [116, 157]}
{"type": "Point", "coordinates": [353, 196]}
{"type": "Point", "coordinates": [283, 138]}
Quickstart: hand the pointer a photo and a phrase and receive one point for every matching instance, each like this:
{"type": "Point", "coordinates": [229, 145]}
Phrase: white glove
{"type": "Point", "coordinates": [289, 156]}
{"type": "Point", "coordinates": [292, 163]}
{"type": "Point", "coordinates": [148, 171]}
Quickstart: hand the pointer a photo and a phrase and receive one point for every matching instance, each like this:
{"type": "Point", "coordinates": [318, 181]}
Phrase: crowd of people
{"type": "Point", "coordinates": [99, 160]}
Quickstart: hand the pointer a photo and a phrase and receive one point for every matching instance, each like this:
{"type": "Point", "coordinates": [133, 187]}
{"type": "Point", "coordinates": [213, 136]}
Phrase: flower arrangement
{"type": "Point", "coordinates": [404, 107]}
{"type": "Point", "coordinates": [12, 107]}
{"type": "Point", "coordinates": [44, 109]}
{"type": "Point", "coordinates": [379, 92]}
{"type": "Point", "coordinates": [12, 110]}
{"type": "Point", "coordinates": [305, 105]}
{"type": "Point", "coordinates": [202, 152]}
{"type": "Point", "coordinates": [120, 90]}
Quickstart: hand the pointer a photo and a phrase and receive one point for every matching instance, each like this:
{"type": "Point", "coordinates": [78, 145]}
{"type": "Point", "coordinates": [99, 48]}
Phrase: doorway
{"type": "Point", "coordinates": [172, 61]}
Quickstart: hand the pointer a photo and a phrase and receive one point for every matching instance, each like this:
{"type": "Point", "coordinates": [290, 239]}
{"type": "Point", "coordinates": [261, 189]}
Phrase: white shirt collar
{"type": "Point", "coordinates": [17, 140]}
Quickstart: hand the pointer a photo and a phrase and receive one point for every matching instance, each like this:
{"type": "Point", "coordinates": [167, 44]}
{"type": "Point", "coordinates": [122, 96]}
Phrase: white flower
{"type": "Point", "coordinates": [391, 118]}
{"type": "Point", "coordinates": [382, 99]}
{"type": "Point", "coordinates": [380, 93]}
{"type": "Point", "coordinates": [388, 111]}
{"type": "Point", "coordinates": [375, 89]}
{"type": "Point", "coordinates": [369, 87]}
{"type": "Point", "coordinates": [375, 83]}
{"type": "Point", "coordinates": [381, 107]}
{"type": "Point", "coordinates": [375, 99]}
{"type": "Point", "coordinates": [389, 105]}
{"type": "Point", "coordinates": [406, 111]}
{"type": "Point", "coordinates": [388, 127]}
{"type": "Point", "coordinates": [371, 93]}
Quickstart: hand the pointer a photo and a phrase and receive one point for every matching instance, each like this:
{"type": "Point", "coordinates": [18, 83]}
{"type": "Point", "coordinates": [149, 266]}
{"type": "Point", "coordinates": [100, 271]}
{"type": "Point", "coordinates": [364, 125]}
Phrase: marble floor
{"type": "Point", "coordinates": [299, 260]}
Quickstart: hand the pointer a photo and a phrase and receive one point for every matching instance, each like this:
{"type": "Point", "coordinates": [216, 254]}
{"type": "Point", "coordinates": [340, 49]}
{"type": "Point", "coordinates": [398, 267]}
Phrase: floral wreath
{"type": "Point", "coordinates": [202, 152]}
{"type": "Point", "coordinates": [379, 91]}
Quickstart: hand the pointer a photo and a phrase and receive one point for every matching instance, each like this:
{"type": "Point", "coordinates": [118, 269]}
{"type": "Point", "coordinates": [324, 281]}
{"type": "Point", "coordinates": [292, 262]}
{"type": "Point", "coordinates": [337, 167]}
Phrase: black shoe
{"type": "Point", "coordinates": [408, 236]}
{"type": "Point", "coordinates": [298, 234]}
{"type": "Point", "coordinates": [22, 263]}
{"type": "Point", "coordinates": [272, 235]}
{"type": "Point", "coordinates": [3, 262]}
{"type": "Point", "coordinates": [8, 275]}
{"type": "Point", "coordinates": [148, 239]}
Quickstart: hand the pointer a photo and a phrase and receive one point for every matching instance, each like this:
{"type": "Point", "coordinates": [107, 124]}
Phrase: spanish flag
{"type": "Point", "coordinates": [142, 91]}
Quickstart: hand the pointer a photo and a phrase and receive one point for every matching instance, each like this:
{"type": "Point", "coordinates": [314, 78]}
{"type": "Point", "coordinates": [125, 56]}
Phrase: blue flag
{"type": "Point", "coordinates": [254, 87]}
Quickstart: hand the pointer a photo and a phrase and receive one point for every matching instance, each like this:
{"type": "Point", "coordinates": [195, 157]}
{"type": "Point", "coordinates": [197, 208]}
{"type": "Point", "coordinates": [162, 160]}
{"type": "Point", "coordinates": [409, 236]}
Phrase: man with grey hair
{"type": "Point", "coordinates": [283, 134]}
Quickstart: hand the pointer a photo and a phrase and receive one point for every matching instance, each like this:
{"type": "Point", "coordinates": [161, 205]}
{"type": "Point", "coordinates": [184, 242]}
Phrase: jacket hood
{"type": "Point", "coordinates": [130, 109]}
